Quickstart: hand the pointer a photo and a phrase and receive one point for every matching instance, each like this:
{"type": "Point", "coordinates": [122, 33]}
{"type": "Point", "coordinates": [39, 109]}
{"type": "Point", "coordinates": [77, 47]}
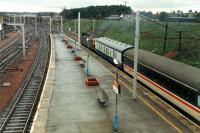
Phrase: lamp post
{"type": "Point", "coordinates": [87, 59]}
{"type": "Point", "coordinates": [79, 30]}
{"type": "Point", "coordinates": [87, 65]}
{"type": "Point", "coordinates": [137, 37]}
{"type": "Point", "coordinates": [116, 89]}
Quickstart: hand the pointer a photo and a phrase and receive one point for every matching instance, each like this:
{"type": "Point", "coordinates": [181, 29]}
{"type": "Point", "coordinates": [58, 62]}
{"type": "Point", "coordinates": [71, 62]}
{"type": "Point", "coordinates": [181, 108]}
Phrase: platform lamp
{"type": "Point", "coordinates": [88, 58]}
{"type": "Point", "coordinates": [116, 88]}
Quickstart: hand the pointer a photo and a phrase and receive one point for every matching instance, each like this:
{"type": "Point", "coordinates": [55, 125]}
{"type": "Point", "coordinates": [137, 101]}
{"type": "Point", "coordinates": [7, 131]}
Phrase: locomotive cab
{"type": "Point", "coordinates": [88, 40]}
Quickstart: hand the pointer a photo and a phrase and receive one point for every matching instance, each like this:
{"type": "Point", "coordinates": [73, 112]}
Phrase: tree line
{"type": "Point", "coordinates": [98, 12]}
{"type": "Point", "coordinates": [165, 16]}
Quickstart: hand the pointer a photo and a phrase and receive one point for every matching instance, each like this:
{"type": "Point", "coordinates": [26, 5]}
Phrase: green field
{"type": "Point", "coordinates": [152, 36]}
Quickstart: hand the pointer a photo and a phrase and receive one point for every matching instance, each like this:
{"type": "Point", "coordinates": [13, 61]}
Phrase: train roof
{"type": "Point", "coordinates": [181, 72]}
{"type": "Point", "coordinates": [116, 45]}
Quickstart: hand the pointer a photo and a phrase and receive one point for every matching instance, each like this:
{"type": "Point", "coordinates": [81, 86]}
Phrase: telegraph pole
{"type": "Point", "coordinates": [93, 26]}
{"type": "Point", "coordinates": [125, 1]}
{"type": "Point", "coordinates": [61, 19]}
{"type": "Point", "coordinates": [137, 37]}
{"type": "Point", "coordinates": [50, 21]}
{"type": "Point", "coordinates": [9, 19]}
{"type": "Point", "coordinates": [24, 20]}
{"type": "Point", "coordinates": [14, 23]}
{"type": "Point", "coordinates": [75, 25]}
{"type": "Point", "coordinates": [20, 18]}
{"type": "Point", "coordinates": [23, 37]}
{"type": "Point", "coordinates": [79, 30]}
{"type": "Point", "coordinates": [35, 26]}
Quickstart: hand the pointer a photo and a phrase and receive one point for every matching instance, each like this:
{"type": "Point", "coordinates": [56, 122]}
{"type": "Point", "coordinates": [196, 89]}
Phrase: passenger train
{"type": "Point", "coordinates": [175, 81]}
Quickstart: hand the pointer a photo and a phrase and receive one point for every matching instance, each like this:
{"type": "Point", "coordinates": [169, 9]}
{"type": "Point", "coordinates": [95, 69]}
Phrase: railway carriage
{"type": "Point", "coordinates": [177, 82]}
{"type": "Point", "coordinates": [110, 49]}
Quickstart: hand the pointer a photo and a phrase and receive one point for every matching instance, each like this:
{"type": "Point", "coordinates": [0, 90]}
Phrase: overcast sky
{"type": "Point", "coordinates": [58, 5]}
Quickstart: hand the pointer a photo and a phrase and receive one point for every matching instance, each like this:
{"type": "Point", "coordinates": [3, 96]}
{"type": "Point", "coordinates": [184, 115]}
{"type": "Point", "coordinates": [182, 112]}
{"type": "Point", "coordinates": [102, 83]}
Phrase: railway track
{"type": "Point", "coordinates": [20, 116]}
{"type": "Point", "coordinates": [150, 99]}
{"type": "Point", "coordinates": [7, 57]}
{"type": "Point", "coordinates": [11, 52]}
{"type": "Point", "coordinates": [13, 42]}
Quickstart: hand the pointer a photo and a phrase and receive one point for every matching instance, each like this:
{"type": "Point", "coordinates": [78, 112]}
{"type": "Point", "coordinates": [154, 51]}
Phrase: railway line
{"type": "Point", "coordinates": [14, 42]}
{"type": "Point", "coordinates": [9, 53]}
{"type": "Point", "coordinates": [9, 43]}
{"type": "Point", "coordinates": [20, 115]}
{"type": "Point", "coordinates": [166, 111]}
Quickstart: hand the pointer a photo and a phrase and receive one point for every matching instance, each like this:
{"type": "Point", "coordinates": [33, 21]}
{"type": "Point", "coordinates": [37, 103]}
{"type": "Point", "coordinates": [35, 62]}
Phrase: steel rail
{"type": "Point", "coordinates": [27, 89]}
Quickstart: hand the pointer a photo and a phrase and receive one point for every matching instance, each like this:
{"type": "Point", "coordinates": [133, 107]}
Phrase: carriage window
{"type": "Point", "coordinates": [97, 46]}
{"type": "Point", "coordinates": [199, 100]}
{"type": "Point", "coordinates": [114, 54]}
{"type": "Point", "coordinates": [107, 51]}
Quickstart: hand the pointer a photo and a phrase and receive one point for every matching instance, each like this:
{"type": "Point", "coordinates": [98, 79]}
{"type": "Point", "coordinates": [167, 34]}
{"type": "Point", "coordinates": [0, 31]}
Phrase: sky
{"type": "Point", "coordinates": [58, 5]}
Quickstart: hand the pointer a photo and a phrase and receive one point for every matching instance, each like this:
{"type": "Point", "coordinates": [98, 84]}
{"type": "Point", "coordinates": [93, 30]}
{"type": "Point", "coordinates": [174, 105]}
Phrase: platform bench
{"type": "Point", "coordinates": [102, 96]}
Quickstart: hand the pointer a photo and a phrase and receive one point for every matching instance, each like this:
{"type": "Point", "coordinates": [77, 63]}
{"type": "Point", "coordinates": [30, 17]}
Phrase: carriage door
{"type": "Point", "coordinates": [198, 100]}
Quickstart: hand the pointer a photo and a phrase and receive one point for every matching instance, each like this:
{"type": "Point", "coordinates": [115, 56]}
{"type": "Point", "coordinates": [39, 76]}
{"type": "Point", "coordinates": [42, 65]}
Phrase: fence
{"type": "Point", "coordinates": [180, 41]}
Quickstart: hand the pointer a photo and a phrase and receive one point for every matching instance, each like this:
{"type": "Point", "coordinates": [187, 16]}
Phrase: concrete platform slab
{"type": "Point", "coordinates": [72, 107]}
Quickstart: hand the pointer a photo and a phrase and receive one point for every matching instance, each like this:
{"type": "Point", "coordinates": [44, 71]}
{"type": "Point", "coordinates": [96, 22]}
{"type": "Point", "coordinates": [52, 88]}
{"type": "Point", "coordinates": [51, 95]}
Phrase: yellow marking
{"type": "Point", "coordinates": [151, 107]}
{"type": "Point", "coordinates": [158, 113]}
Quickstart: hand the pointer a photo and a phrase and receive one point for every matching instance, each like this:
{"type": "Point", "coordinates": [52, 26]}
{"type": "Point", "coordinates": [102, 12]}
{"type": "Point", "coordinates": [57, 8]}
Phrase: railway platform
{"type": "Point", "coordinates": [68, 105]}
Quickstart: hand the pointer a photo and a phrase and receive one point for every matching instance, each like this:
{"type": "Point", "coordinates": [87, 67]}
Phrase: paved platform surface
{"type": "Point", "coordinates": [73, 106]}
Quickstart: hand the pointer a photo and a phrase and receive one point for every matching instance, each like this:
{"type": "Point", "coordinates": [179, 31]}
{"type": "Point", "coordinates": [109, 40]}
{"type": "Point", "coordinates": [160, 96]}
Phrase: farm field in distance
{"type": "Point", "coordinates": [152, 36]}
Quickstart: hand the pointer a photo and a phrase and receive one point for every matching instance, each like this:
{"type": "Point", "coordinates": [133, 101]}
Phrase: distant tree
{"type": "Point", "coordinates": [156, 16]}
{"type": "Point", "coordinates": [185, 15]}
{"type": "Point", "coordinates": [197, 15]}
{"type": "Point", "coordinates": [178, 13]}
{"type": "Point", "coordinates": [97, 11]}
{"type": "Point", "coordinates": [181, 12]}
{"type": "Point", "coordinates": [147, 14]}
{"type": "Point", "coordinates": [190, 11]}
{"type": "Point", "coordinates": [163, 16]}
